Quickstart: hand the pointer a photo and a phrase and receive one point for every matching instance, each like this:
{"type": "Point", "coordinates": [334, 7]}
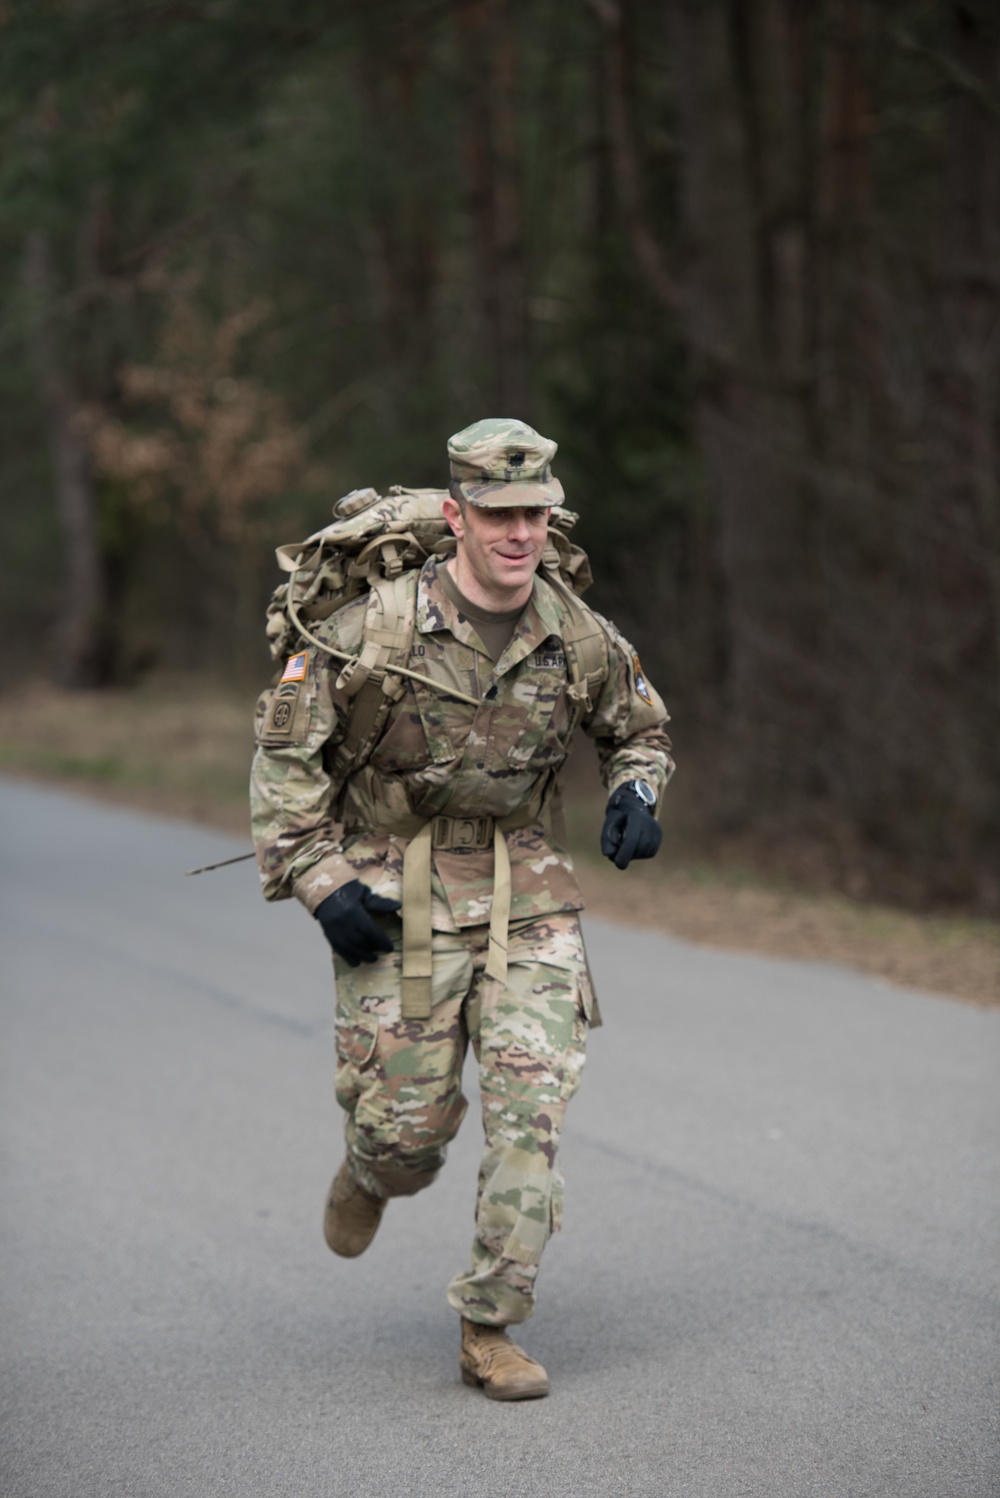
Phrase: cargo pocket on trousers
{"type": "Point", "coordinates": [588, 998]}
{"type": "Point", "coordinates": [357, 1035]}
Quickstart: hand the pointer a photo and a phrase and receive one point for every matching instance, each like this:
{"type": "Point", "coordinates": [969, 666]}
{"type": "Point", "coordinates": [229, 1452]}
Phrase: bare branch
{"type": "Point", "coordinates": [962, 79]}
{"type": "Point", "coordinates": [648, 250]}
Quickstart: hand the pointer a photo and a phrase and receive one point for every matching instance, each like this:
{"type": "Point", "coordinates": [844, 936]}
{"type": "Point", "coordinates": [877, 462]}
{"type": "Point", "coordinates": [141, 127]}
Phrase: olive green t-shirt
{"type": "Point", "coordinates": [495, 630]}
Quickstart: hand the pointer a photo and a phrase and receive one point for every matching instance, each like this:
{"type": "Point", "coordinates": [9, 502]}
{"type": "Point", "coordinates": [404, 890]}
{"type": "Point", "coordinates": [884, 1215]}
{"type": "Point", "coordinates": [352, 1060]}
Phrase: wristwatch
{"type": "Point", "coordinates": [644, 791]}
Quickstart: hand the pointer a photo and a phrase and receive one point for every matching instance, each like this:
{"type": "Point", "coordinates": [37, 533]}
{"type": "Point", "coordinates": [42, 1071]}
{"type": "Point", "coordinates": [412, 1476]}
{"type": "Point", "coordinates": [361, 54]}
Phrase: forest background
{"type": "Point", "coordinates": [741, 258]}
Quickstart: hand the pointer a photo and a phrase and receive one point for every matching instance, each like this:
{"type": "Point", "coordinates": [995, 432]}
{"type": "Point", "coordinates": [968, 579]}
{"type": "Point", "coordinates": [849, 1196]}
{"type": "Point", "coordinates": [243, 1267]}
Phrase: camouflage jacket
{"type": "Point", "coordinates": [441, 756]}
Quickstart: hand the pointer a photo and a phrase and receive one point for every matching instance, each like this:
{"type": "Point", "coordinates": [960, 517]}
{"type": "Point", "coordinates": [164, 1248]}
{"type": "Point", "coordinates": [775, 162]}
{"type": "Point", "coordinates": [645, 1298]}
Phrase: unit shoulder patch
{"type": "Point", "coordinates": [641, 685]}
{"type": "Point", "coordinates": [286, 716]}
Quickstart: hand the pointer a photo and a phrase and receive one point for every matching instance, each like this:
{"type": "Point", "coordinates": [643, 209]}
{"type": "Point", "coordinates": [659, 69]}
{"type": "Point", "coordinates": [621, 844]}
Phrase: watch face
{"type": "Point", "coordinates": [644, 791]}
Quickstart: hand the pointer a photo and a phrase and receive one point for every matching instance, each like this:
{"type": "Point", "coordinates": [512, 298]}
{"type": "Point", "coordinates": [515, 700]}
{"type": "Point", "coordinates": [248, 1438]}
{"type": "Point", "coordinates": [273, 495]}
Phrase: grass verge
{"type": "Point", "coordinates": [182, 748]}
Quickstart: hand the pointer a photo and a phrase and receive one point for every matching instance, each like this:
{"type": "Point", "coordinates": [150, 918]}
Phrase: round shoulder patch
{"type": "Point", "coordinates": [641, 685]}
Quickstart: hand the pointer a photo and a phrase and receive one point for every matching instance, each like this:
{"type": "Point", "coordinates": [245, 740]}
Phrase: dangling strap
{"type": "Point", "coordinates": [417, 961]}
{"type": "Point", "coordinates": [418, 936]}
{"type": "Point", "coordinates": [496, 962]}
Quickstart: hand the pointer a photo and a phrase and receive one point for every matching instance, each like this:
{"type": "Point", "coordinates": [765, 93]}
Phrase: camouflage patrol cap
{"type": "Point", "coordinates": [501, 463]}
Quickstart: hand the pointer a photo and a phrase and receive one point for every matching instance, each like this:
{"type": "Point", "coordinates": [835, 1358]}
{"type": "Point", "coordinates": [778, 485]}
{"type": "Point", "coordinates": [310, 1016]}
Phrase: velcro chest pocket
{"type": "Point", "coordinates": [539, 709]}
{"type": "Point", "coordinates": [403, 745]}
{"type": "Point", "coordinates": [446, 721]}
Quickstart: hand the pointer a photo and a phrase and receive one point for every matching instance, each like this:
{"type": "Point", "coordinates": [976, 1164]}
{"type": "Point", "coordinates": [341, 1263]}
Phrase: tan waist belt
{"type": "Point", "coordinates": [454, 833]}
{"type": "Point", "coordinates": [450, 833]}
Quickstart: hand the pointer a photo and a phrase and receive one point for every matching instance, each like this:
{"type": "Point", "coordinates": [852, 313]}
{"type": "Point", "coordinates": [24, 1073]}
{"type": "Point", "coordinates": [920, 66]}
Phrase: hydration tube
{"type": "Point", "coordinates": [342, 655]}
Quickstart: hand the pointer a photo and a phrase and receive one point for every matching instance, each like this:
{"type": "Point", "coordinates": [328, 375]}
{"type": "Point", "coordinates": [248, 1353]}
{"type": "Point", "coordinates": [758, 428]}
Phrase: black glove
{"type": "Point", "coordinates": [630, 829]}
{"type": "Point", "coordinates": [346, 918]}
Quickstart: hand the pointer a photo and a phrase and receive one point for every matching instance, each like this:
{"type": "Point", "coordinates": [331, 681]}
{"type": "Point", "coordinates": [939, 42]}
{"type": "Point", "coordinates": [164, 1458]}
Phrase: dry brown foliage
{"type": "Point", "coordinates": [194, 430]}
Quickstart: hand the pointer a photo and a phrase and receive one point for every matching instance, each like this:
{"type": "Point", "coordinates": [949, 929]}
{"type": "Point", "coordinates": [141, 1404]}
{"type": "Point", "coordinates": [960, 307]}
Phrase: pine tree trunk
{"type": "Point", "coordinates": [492, 157]}
{"type": "Point", "coordinates": [81, 657]}
{"type": "Point", "coordinates": [971, 299]}
{"type": "Point", "coordinates": [744, 310]}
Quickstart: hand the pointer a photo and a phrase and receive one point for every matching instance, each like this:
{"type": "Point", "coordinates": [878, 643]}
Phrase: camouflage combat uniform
{"type": "Point", "coordinates": [399, 1078]}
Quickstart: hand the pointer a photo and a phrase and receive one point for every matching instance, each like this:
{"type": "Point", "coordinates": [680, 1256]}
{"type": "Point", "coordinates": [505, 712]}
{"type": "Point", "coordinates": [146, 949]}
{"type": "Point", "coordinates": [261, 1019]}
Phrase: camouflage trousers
{"type": "Point", "coordinates": [399, 1082]}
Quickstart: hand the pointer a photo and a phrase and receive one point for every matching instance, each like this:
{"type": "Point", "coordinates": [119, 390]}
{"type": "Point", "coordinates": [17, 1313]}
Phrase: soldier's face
{"type": "Point", "coordinates": [501, 548]}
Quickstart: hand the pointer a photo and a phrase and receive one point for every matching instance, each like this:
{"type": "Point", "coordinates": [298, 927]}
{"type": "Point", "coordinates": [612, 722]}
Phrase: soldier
{"type": "Point", "coordinates": [450, 903]}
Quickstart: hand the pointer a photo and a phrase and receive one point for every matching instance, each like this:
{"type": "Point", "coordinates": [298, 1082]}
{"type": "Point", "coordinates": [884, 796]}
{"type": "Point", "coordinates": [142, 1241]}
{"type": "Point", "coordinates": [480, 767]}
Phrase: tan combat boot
{"type": "Point", "coordinates": [501, 1369]}
{"type": "Point", "coordinates": [352, 1215]}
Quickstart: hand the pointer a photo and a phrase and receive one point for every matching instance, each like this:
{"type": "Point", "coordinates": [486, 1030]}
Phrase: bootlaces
{"type": "Point", "coordinates": [501, 1353]}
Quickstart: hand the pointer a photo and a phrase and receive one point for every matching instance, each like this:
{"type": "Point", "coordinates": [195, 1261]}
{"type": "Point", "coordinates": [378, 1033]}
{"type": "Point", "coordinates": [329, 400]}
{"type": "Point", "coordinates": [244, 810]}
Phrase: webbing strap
{"type": "Point", "coordinates": [387, 632]}
{"type": "Point", "coordinates": [586, 650]}
{"type": "Point", "coordinates": [496, 962]}
{"type": "Point", "coordinates": [417, 937]}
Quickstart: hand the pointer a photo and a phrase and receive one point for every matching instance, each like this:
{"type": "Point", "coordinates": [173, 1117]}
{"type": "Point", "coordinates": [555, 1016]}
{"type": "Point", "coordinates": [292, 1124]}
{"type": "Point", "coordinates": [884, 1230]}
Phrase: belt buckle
{"type": "Point", "coordinates": [459, 834]}
{"type": "Point", "coordinates": [482, 832]}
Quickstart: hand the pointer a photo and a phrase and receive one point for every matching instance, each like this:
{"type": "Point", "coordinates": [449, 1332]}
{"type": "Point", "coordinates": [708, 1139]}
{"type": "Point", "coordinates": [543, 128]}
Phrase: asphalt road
{"type": "Point", "coordinates": [779, 1273]}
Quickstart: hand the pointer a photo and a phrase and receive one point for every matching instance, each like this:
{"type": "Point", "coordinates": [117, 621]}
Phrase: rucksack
{"type": "Point", "coordinates": [379, 542]}
{"type": "Point", "coordinates": [373, 543]}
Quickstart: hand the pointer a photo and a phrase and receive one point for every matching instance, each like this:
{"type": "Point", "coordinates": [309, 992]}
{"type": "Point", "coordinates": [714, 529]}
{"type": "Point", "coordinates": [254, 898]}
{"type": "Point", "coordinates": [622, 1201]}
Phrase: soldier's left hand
{"type": "Point", "coordinates": [630, 829]}
{"type": "Point", "coordinates": [346, 918]}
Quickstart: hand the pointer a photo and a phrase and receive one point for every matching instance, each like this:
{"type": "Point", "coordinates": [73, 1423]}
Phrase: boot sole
{"type": "Point", "coordinates": [348, 1250]}
{"type": "Point", "coordinates": [526, 1391]}
{"type": "Point", "coordinates": [348, 1253]}
{"type": "Point", "coordinates": [353, 1244]}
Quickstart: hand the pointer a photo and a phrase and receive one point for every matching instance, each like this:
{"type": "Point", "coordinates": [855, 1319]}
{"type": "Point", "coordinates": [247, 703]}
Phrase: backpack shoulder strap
{"type": "Point", "coordinates": [387, 636]}
{"type": "Point", "coordinates": [588, 666]}
{"type": "Point", "coordinates": [588, 660]}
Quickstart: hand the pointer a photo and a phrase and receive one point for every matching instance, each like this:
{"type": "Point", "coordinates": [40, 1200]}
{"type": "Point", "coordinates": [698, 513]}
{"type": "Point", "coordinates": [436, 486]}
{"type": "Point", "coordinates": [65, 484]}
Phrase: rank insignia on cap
{"type": "Point", "coordinates": [295, 667]}
{"type": "Point", "coordinates": [641, 685]}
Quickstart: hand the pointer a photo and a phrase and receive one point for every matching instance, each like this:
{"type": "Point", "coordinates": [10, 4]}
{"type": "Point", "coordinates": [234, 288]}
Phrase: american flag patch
{"type": "Point", "coordinates": [295, 667]}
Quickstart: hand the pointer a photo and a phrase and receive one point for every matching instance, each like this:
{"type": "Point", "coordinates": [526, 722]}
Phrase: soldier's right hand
{"type": "Point", "coordinates": [630, 829]}
{"type": "Point", "coordinates": [346, 918]}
